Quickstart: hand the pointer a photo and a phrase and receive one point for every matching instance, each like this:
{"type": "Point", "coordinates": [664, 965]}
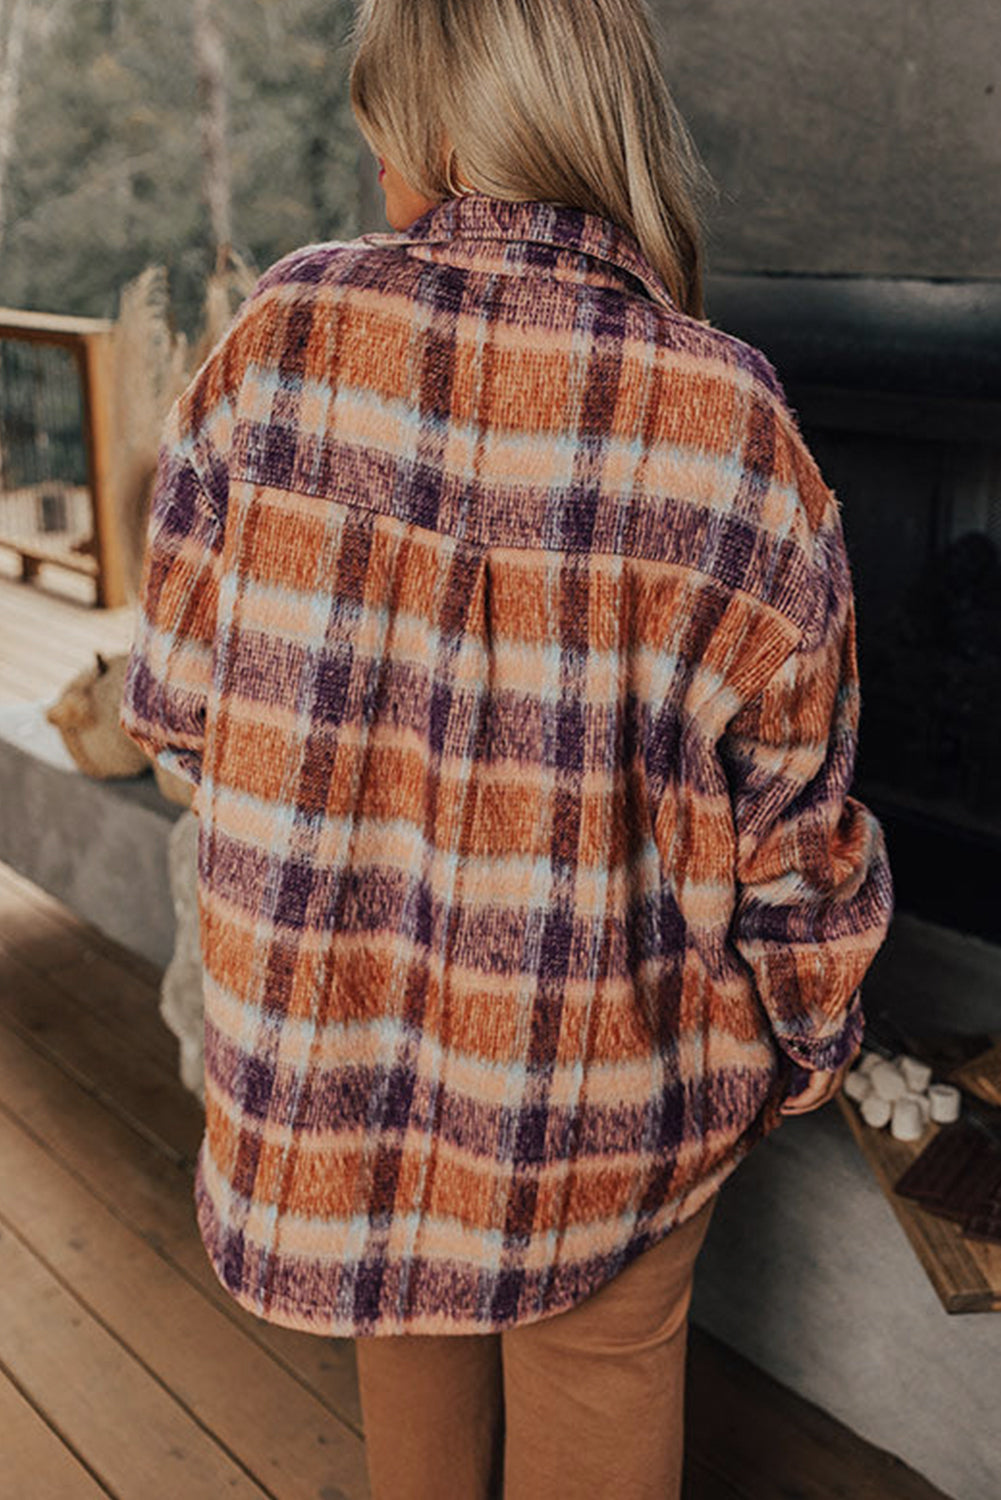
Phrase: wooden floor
{"type": "Point", "coordinates": [126, 1369]}
{"type": "Point", "coordinates": [49, 631]}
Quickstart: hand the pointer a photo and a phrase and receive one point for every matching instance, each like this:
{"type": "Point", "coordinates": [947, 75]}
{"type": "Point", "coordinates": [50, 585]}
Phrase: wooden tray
{"type": "Point", "coordinates": [981, 1075]}
{"type": "Point", "coordinates": [965, 1273]}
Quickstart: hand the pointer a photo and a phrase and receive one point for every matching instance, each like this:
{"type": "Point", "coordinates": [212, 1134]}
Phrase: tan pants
{"type": "Point", "coordinates": [585, 1405]}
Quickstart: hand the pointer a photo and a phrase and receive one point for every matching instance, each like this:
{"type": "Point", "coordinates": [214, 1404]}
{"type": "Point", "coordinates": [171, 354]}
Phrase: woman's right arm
{"type": "Point", "coordinates": [814, 891]}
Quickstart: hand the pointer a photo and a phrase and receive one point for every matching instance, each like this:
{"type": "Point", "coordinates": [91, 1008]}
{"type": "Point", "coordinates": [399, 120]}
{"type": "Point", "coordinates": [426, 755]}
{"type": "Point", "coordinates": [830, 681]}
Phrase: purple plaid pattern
{"type": "Point", "coordinates": [503, 624]}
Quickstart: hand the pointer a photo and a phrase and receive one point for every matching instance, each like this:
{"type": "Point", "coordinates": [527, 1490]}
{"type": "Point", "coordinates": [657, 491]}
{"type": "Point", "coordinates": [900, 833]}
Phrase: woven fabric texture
{"type": "Point", "coordinates": [503, 622]}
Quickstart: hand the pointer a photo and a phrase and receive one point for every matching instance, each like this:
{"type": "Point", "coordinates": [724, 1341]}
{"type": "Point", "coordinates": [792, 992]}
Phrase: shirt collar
{"type": "Point", "coordinates": [487, 233]}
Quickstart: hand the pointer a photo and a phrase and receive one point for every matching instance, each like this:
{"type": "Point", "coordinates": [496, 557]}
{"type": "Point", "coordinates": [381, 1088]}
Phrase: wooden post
{"type": "Point", "coordinates": [98, 423]}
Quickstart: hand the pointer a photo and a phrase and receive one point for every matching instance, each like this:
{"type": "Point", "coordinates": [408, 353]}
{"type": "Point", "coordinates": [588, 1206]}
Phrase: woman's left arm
{"type": "Point", "coordinates": [170, 665]}
{"type": "Point", "coordinates": [169, 673]}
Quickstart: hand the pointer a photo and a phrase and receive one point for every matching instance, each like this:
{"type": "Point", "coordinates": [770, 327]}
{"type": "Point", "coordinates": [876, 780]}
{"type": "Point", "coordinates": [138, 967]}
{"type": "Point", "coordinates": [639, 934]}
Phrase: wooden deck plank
{"type": "Point", "coordinates": [138, 1087]}
{"type": "Point", "coordinates": [44, 685]}
{"type": "Point", "coordinates": [152, 1194]}
{"type": "Point", "coordinates": [290, 1443]}
{"type": "Point", "coordinates": [65, 935]}
{"type": "Point", "coordinates": [750, 1438]}
{"type": "Point", "coordinates": [48, 633]}
{"type": "Point", "coordinates": [111, 1411]}
{"type": "Point", "coordinates": [72, 626]}
{"type": "Point", "coordinates": [61, 583]}
{"type": "Point", "coordinates": [89, 973]}
{"type": "Point", "coordinates": [96, 983]}
{"type": "Point", "coordinates": [21, 682]}
{"type": "Point", "coordinates": [36, 1462]}
{"type": "Point", "coordinates": [69, 620]}
{"type": "Point", "coordinates": [20, 668]}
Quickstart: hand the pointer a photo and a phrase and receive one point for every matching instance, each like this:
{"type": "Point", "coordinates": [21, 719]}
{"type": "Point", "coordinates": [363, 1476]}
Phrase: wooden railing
{"type": "Point", "coordinates": [56, 489]}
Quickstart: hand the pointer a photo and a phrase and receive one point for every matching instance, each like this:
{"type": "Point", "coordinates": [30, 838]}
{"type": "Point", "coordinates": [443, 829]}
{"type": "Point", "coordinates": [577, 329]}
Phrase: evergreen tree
{"type": "Point", "coordinates": [106, 171]}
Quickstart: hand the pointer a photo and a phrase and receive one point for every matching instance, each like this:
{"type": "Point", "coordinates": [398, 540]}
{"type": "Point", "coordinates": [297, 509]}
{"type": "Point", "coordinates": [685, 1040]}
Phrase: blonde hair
{"type": "Point", "coordinates": [560, 101]}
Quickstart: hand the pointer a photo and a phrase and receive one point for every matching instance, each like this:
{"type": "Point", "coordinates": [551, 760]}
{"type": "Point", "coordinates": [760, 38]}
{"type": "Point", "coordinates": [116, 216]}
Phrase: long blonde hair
{"type": "Point", "coordinates": [560, 101]}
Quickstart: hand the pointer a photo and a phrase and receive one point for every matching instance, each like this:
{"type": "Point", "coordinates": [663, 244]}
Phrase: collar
{"type": "Point", "coordinates": [487, 233]}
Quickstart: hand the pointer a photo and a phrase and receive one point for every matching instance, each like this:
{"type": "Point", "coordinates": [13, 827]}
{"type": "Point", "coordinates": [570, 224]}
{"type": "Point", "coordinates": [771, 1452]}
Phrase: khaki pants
{"type": "Point", "coordinates": [585, 1405]}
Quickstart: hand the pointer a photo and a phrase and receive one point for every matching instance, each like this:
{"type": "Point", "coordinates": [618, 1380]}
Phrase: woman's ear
{"type": "Point", "coordinates": [455, 181]}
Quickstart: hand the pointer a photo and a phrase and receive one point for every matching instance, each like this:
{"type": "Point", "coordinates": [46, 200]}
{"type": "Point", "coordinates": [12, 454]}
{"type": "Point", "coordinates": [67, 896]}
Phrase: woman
{"type": "Point", "coordinates": [502, 621]}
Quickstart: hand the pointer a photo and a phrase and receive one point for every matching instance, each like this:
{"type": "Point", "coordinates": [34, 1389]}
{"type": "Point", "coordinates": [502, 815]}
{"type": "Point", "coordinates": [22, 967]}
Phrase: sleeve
{"type": "Point", "coordinates": [169, 671]}
{"type": "Point", "coordinates": [814, 892]}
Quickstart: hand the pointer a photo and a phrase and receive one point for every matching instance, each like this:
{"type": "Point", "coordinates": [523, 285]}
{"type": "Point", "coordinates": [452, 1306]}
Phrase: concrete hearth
{"type": "Point", "coordinates": [99, 846]}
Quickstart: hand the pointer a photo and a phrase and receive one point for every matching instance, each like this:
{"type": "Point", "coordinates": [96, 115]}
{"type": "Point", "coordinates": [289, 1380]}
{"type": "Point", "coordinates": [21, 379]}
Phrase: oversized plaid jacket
{"type": "Point", "coordinates": [503, 623]}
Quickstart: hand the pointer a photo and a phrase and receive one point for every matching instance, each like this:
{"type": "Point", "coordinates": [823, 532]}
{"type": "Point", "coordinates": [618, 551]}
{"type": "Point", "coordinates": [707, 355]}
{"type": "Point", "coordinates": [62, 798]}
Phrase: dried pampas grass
{"type": "Point", "coordinates": [151, 365]}
{"type": "Point", "coordinates": [230, 283]}
{"type": "Point", "coordinates": [149, 369]}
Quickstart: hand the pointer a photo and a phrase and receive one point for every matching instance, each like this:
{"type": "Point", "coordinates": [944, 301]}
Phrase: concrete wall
{"type": "Point", "coordinates": [851, 136]}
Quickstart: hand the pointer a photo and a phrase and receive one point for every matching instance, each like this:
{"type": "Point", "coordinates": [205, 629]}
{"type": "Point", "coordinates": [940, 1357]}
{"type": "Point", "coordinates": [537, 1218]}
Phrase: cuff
{"type": "Point", "coordinates": [841, 1042]}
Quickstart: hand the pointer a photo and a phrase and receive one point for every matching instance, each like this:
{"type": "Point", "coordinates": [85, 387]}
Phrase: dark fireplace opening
{"type": "Point", "coordinates": [923, 524]}
{"type": "Point", "coordinates": [897, 387]}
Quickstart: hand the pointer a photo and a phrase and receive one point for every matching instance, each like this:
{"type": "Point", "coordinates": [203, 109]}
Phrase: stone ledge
{"type": "Point", "coordinates": [98, 846]}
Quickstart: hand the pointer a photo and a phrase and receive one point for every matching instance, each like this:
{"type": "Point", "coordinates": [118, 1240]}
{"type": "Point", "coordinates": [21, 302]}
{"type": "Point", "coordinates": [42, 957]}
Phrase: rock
{"type": "Point", "coordinates": [182, 1004]}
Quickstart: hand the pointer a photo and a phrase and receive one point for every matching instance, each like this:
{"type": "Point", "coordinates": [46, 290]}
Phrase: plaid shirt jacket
{"type": "Point", "coordinates": [503, 623]}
